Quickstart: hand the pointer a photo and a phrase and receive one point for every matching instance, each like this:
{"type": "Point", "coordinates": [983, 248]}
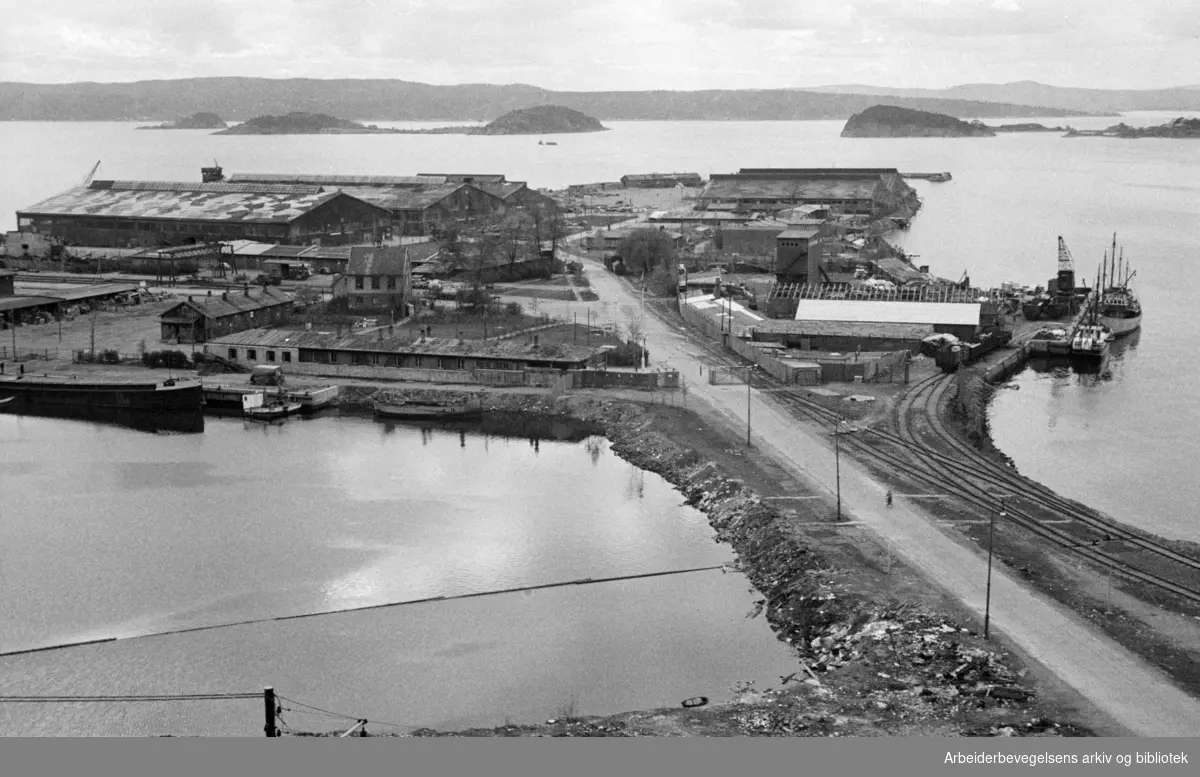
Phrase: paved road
{"type": "Point", "coordinates": [1136, 696]}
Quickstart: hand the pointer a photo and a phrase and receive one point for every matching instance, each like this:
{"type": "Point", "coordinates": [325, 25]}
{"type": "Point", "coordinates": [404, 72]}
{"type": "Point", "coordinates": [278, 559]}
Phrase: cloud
{"type": "Point", "coordinates": [608, 44]}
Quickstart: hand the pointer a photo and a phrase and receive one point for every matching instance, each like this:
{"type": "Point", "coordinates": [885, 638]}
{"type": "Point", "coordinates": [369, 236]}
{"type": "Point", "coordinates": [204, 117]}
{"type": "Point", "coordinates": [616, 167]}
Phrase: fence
{"type": "Point", "coordinates": [727, 376]}
{"type": "Point", "coordinates": [19, 354]}
{"type": "Point", "coordinates": [618, 379]}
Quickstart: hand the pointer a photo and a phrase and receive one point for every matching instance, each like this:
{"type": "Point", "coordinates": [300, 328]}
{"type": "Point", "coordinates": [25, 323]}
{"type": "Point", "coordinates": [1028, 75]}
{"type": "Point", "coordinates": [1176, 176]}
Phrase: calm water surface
{"type": "Point", "coordinates": [112, 532]}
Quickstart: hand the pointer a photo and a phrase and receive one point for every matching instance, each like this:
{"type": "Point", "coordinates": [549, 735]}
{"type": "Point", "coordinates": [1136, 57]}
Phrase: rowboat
{"type": "Point", "coordinates": [428, 409]}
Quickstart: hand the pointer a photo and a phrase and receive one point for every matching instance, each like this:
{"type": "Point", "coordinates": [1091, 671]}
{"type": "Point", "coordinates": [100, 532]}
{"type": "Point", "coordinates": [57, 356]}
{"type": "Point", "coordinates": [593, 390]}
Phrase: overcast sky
{"type": "Point", "coordinates": [611, 44]}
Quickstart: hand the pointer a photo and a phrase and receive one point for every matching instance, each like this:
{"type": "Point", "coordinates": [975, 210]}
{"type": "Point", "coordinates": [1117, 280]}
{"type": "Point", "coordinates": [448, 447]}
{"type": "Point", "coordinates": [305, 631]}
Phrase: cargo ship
{"type": "Point", "coordinates": [1120, 309]}
{"type": "Point", "coordinates": [169, 405]}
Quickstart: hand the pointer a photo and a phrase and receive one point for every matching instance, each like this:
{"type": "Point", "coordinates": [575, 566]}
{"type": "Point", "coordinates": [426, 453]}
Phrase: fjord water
{"type": "Point", "coordinates": [110, 532]}
{"type": "Point", "coordinates": [1124, 443]}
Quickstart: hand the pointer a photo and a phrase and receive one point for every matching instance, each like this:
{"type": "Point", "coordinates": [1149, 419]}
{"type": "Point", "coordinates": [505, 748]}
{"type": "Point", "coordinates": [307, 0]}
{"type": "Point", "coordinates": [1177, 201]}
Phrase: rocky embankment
{"type": "Point", "coordinates": [889, 121]}
{"type": "Point", "coordinates": [867, 663]}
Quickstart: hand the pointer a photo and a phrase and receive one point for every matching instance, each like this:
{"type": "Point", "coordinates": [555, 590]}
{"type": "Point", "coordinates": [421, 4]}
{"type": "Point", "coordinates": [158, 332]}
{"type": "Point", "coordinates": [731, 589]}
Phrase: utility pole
{"type": "Point", "coordinates": [987, 605]}
{"type": "Point", "coordinates": [837, 463]}
{"type": "Point", "coordinates": [269, 712]}
{"type": "Point", "coordinates": [749, 372]}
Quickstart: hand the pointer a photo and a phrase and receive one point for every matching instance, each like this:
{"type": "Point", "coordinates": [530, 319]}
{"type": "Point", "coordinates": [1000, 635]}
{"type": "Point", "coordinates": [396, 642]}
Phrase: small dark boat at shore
{"type": "Point", "coordinates": [425, 409]}
{"type": "Point", "coordinates": [169, 405]}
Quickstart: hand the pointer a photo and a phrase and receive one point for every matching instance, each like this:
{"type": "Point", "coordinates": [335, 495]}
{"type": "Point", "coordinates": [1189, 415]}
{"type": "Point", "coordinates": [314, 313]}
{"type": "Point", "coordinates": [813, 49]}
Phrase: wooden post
{"type": "Point", "coordinates": [269, 711]}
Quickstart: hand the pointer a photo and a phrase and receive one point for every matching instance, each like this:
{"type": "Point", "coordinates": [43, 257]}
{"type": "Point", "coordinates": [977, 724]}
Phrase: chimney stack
{"type": "Point", "coordinates": [247, 290]}
{"type": "Point", "coordinates": [535, 341]}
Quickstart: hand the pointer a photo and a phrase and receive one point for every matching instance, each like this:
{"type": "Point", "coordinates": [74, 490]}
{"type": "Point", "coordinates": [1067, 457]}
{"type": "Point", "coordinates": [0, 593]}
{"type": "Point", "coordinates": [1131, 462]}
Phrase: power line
{"type": "Point", "coordinates": [129, 697]}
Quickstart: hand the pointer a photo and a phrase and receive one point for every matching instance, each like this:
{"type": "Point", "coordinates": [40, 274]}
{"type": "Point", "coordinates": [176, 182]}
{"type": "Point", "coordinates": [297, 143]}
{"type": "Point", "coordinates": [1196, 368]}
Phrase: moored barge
{"type": "Point", "coordinates": [169, 405]}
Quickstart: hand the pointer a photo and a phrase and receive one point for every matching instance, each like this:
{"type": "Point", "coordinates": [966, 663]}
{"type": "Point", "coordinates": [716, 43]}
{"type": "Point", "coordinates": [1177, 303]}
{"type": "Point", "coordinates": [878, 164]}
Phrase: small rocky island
{"type": "Point", "coordinates": [889, 121]}
{"type": "Point", "coordinates": [202, 120]}
{"type": "Point", "coordinates": [300, 123]}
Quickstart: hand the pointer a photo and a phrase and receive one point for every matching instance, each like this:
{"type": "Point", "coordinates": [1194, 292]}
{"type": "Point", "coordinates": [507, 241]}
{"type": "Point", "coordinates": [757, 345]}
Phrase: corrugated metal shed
{"type": "Point", "coordinates": [190, 205]}
{"type": "Point", "coordinates": [216, 186]}
{"type": "Point", "coordinates": [74, 292]}
{"type": "Point", "coordinates": [402, 198]}
{"type": "Point", "coordinates": [338, 180]}
{"type": "Point", "coordinates": [19, 303]}
{"type": "Point", "coordinates": [876, 311]}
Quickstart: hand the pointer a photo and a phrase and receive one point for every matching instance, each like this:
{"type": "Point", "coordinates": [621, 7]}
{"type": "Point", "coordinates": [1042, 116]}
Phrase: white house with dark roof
{"type": "Point", "coordinates": [378, 278]}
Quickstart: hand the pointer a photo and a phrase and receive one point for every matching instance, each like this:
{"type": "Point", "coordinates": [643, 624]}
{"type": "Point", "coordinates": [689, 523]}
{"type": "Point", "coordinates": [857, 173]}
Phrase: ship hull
{"type": "Point", "coordinates": [169, 406]}
{"type": "Point", "coordinates": [413, 411]}
{"type": "Point", "coordinates": [1122, 326]}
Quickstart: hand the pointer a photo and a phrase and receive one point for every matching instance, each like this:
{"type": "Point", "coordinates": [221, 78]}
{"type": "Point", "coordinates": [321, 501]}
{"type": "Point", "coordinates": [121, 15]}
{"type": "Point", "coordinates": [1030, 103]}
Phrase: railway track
{"type": "Point", "coordinates": [975, 477]}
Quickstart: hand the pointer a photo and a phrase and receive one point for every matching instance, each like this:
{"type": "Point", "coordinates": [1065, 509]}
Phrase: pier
{"type": "Point", "coordinates": [935, 177]}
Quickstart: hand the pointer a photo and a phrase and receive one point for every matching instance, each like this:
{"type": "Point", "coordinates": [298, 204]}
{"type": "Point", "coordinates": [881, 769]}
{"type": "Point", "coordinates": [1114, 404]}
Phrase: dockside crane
{"type": "Point", "coordinates": [87, 181]}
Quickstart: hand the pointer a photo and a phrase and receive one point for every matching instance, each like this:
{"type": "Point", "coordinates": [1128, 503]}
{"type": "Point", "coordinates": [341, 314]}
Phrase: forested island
{"type": "Point", "coordinates": [890, 121]}
{"type": "Point", "coordinates": [538, 120]}
{"type": "Point", "coordinates": [300, 123]}
{"type": "Point", "coordinates": [1177, 128]}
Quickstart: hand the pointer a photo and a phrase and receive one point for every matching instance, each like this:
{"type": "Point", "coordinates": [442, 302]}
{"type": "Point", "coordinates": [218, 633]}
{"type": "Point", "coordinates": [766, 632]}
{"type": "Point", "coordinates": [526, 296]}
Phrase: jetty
{"type": "Point", "coordinates": [935, 177]}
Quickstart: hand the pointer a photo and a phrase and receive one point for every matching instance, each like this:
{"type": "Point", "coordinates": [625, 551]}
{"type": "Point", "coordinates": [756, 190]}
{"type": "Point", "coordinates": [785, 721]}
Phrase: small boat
{"type": "Point", "coordinates": [428, 409]}
{"type": "Point", "coordinates": [695, 701]}
{"type": "Point", "coordinates": [272, 412]}
{"type": "Point", "coordinates": [1091, 342]}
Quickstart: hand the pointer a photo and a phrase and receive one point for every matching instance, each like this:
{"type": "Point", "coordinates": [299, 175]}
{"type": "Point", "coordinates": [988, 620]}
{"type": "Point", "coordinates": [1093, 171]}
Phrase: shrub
{"type": "Point", "coordinates": [626, 355]}
{"type": "Point", "coordinates": [110, 356]}
{"type": "Point", "coordinates": [514, 309]}
{"type": "Point", "coordinates": [587, 295]}
{"type": "Point", "coordinates": [173, 359]}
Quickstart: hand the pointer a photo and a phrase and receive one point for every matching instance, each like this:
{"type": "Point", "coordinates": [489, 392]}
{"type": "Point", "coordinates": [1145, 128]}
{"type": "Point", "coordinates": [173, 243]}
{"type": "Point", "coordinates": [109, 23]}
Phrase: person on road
{"type": "Point", "coordinates": [889, 498]}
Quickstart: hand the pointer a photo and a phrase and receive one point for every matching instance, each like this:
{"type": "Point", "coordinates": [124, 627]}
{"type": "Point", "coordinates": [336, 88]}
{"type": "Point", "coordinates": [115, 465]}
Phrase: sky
{"type": "Point", "coordinates": [591, 45]}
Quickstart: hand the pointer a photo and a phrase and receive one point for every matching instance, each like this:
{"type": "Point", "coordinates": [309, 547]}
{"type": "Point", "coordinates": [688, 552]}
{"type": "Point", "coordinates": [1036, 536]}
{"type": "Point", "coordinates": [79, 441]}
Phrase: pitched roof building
{"type": "Point", "coordinates": [199, 319]}
{"type": "Point", "coordinates": [418, 205]}
{"type": "Point", "coordinates": [866, 191]}
{"type": "Point", "coordinates": [130, 214]}
{"type": "Point", "coordinates": [378, 279]}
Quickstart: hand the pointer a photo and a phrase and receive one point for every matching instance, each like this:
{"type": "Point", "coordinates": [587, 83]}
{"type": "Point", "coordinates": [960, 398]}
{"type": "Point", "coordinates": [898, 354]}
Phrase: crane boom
{"type": "Point", "coordinates": [91, 174]}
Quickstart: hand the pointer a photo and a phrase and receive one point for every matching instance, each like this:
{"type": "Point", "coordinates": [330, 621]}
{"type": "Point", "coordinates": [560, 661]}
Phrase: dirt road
{"type": "Point", "coordinates": [1138, 699]}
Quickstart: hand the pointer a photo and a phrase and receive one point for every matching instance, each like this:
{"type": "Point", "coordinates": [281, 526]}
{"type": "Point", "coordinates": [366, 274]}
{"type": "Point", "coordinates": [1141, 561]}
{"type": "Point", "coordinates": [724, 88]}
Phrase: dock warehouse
{"type": "Point", "coordinates": [131, 214]}
{"type": "Point", "coordinates": [201, 318]}
{"type": "Point", "coordinates": [865, 191]}
{"type": "Point", "coordinates": [416, 204]}
{"type": "Point", "coordinates": [367, 355]}
{"type": "Point", "coordinates": [871, 320]}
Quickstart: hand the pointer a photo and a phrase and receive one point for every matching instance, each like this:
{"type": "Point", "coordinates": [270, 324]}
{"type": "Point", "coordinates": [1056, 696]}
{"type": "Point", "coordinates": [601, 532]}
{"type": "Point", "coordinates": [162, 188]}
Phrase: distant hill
{"type": "Point", "coordinates": [239, 99]}
{"type": "Point", "coordinates": [202, 120]}
{"type": "Point", "coordinates": [1095, 101]}
{"type": "Point", "coordinates": [890, 121]}
{"type": "Point", "coordinates": [300, 123]}
{"type": "Point", "coordinates": [541, 120]}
